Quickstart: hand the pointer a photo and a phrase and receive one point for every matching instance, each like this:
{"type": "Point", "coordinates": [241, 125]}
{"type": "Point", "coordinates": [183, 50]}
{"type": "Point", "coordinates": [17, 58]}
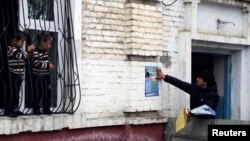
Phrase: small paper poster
{"type": "Point", "coordinates": [151, 83]}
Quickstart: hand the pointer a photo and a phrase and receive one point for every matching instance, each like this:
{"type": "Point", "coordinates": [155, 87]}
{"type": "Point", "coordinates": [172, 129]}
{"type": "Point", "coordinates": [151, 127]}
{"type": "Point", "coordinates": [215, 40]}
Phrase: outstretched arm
{"type": "Point", "coordinates": [187, 87]}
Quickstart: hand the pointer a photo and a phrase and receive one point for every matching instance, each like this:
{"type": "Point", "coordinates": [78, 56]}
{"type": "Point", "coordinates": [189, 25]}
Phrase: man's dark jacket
{"type": "Point", "coordinates": [198, 96]}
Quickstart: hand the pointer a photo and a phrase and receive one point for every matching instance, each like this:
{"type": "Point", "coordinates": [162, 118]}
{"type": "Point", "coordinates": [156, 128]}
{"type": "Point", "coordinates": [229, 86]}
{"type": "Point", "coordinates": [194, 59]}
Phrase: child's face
{"type": "Point", "coordinates": [19, 43]}
{"type": "Point", "coordinates": [46, 45]}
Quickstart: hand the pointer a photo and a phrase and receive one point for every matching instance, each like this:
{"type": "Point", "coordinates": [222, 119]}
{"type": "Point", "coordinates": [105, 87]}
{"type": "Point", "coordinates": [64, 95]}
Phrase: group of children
{"type": "Point", "coordinates": [41, 66]}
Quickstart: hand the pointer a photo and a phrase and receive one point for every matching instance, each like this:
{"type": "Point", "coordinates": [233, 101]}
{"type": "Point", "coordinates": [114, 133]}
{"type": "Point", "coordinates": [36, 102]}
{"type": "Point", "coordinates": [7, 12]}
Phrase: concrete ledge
{"type": "Point", "coordinates": [55, 122]}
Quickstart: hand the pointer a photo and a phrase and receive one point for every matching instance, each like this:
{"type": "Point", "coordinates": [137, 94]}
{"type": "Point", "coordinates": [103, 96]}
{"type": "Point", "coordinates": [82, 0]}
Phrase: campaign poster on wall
{"type": "Point", "coordinates": [151, 83]}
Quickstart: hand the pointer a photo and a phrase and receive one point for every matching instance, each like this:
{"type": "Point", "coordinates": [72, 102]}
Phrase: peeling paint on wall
{"type": "Point", "coordinates": [165, 60]}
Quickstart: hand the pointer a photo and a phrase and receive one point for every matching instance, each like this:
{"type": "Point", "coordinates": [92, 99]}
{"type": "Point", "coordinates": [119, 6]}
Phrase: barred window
{"type": "Point", "coordinates": [33, 17]}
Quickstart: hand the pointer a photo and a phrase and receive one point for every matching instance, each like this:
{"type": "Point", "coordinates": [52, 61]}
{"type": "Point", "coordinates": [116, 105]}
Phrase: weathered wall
{"type": "Point", "coordinates": [173, 24]}
{"type": "Point", "coordinates": [153, 132]}
{"type": "Point", "coordinates": [220, 19]}
{"type": "Point", "coordinates": [120, 38]}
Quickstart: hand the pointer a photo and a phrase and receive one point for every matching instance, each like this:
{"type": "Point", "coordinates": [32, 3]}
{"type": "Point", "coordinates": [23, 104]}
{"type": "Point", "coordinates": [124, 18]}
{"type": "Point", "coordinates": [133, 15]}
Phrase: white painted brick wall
{"type": "Point", "coordinates": [143, 23]}
{"type": "Point", "coordinates": [102, 88]}
{"type": "Point", "coordinates": [103, 29]}
{"type": "Point", "coordinates": [173, 23]}
{"type": "Point", "coordinates": [110, 84]}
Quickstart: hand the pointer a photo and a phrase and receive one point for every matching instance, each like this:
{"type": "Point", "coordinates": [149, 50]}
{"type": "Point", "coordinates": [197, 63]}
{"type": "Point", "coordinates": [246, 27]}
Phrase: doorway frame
{"type": "Point", "coordinates": [233, 89]}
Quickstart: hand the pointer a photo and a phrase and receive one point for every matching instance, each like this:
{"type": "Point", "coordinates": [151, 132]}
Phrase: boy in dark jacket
{"type": "Point", "coordinates": [203, 92]}
{"type": "Point", "coordinates": [41, 67]}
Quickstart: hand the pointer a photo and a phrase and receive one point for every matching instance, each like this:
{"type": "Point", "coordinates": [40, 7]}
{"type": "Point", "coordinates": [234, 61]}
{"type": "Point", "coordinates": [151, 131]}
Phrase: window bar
{"type": "Point", "coordinates": [28, 73]}
{"type": "Point", "coordinates": [66, 62]}
{"type": "Point", "coordinates": [74, 57]}
{"type": "Point", "coordinates": [59, 73]}
{"type": "Point", "coordinates": [62, 43]}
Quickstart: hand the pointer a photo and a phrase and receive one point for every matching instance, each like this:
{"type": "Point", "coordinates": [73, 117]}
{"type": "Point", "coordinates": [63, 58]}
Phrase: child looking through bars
{"type": "Point", "coordinates": [16, 61]}
{"type": "Point", "coordinates": [41, 67]}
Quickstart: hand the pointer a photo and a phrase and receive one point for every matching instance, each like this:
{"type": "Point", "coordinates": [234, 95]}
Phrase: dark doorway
{"type": "Point", "coordinates": [8, 25]}
{"type": "Point", "coordinates": [220, 65]}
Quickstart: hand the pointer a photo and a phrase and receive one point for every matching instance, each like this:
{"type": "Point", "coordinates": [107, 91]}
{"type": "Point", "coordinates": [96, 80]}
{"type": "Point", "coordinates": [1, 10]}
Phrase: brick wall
{"type": "Point", "coordinates": [112, 83]}
{"type": "Point", "coordinates": [117, 43]}
{"type": "Point", "coordinates": [173, 23]}
{"type": "Point", "coordinates": [104, 27]}
{"type": "Point", "coordinates": [143, 28]}
{"type": "Point", "coordinates": [119, 38]}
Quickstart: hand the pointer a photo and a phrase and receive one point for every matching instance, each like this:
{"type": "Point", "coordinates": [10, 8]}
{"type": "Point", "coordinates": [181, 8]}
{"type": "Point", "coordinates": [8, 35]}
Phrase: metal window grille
{"type": "Point", "coordinates": [33, 17]}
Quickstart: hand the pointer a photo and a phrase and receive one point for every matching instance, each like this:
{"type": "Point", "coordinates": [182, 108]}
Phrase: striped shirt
{"type": "Point", "coordinates": [17, 59]}
{"type": "Point", "coordinates": [41, 61]}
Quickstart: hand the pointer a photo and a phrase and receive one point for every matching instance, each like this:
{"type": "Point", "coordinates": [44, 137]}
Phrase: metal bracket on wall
{"type": "Point", "coordinates": [221, 22]}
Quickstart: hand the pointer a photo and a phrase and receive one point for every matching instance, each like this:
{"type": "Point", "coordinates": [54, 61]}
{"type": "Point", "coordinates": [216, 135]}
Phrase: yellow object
{"type": "Point", "coordinates": [181, 120]}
